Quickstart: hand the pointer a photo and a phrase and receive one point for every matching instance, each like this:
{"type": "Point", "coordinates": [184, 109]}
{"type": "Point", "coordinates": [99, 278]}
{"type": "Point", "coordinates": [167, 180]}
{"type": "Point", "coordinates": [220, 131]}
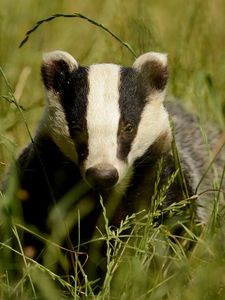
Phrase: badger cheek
{"type": "Point", "coordinates": [122, 168]}
{"type": "Point", "coordinates": [57, 127]}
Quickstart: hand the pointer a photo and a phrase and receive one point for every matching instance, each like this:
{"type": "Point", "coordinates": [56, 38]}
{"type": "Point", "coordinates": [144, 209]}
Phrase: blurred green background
{"type": "Point", "coordinates": [193, 34]}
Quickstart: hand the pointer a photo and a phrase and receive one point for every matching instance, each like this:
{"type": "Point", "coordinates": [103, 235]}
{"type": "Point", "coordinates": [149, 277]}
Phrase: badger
{"type": "Point", "coordinates": [104, 131]}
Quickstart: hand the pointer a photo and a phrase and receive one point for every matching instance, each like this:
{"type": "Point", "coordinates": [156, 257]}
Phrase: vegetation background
{"type": "Point", "coordinates": [192, 33]}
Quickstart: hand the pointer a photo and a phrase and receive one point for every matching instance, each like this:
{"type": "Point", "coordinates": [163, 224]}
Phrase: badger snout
{"type": "Point", "coordinates": [102, 176]}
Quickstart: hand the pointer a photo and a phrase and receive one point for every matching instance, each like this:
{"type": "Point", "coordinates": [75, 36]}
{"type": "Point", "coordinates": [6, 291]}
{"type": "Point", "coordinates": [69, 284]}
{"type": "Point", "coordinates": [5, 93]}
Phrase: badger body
{"type": "Point", "coordinates": [104, 132]}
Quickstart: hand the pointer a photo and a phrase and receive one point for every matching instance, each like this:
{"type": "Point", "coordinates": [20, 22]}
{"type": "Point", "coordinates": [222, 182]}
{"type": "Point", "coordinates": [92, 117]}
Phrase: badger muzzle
{"type": "Point", "coordinates": [102, 176]}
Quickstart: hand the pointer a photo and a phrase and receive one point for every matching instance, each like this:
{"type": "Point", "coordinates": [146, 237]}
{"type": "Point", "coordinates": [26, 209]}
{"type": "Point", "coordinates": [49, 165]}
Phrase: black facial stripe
{"type": "Point", "coordinates": [73, 98]}
{"type": "Point", "coordinates": [131, 104]}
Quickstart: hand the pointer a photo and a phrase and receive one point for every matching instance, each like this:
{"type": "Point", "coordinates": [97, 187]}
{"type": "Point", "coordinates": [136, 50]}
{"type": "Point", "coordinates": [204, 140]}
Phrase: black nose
{"type": "Point", "coordinates": [102, 176]}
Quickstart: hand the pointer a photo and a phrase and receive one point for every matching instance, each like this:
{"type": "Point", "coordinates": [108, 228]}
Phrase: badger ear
{"type": "Point", "coordinates": [153, 70]}
{"type": "Point", "coordinates": [56, 68]}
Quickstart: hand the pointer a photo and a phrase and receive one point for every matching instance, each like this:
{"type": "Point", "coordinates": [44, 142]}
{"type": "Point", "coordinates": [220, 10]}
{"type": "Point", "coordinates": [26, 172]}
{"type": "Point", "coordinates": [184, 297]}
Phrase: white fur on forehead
{"type": "Point", "coordinates": [150, 56]}
{"type": "Point", "coordinates": [103, 112]}
{"type": "Point", "coordinates": [103, 115]}
{"type": "Point", "coordinates": [57, 55]}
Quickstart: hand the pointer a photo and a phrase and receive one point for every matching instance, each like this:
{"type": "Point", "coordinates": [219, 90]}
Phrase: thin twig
{"type": "Point", "coordinates": [76, 15]}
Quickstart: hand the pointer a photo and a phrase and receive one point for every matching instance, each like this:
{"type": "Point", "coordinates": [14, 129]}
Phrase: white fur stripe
{"type": "Point", "coordinates": [103, 115]}
{"type": "Point", "coordinates": [56, 126]}
{"type": "Point", "coordinates": [154, 121]}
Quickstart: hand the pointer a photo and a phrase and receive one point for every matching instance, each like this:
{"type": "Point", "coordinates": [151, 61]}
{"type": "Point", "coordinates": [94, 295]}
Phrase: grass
{"type": "Point", "coordinates": [147, 265]}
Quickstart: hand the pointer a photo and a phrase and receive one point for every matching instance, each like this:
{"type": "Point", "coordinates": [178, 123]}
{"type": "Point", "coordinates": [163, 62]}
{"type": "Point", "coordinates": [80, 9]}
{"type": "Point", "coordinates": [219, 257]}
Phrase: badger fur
{"type": "Point", "coordinates": [105, 128]}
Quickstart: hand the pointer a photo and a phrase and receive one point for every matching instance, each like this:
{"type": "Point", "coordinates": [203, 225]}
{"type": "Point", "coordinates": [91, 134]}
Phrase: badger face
{"type": "Point", "coordinates": [106, 117]}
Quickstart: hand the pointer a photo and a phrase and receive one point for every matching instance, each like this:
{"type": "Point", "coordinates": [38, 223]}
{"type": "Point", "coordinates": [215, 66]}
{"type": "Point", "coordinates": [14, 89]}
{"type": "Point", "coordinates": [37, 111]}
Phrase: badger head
{"type": "Point", "coordinates": [106, 117]}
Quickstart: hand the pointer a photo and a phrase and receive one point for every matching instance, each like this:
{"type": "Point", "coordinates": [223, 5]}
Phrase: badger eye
{"type": "Point", "coordinates": [77, 127]}
{"type": "Point", "coordinates": [128, 128]}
